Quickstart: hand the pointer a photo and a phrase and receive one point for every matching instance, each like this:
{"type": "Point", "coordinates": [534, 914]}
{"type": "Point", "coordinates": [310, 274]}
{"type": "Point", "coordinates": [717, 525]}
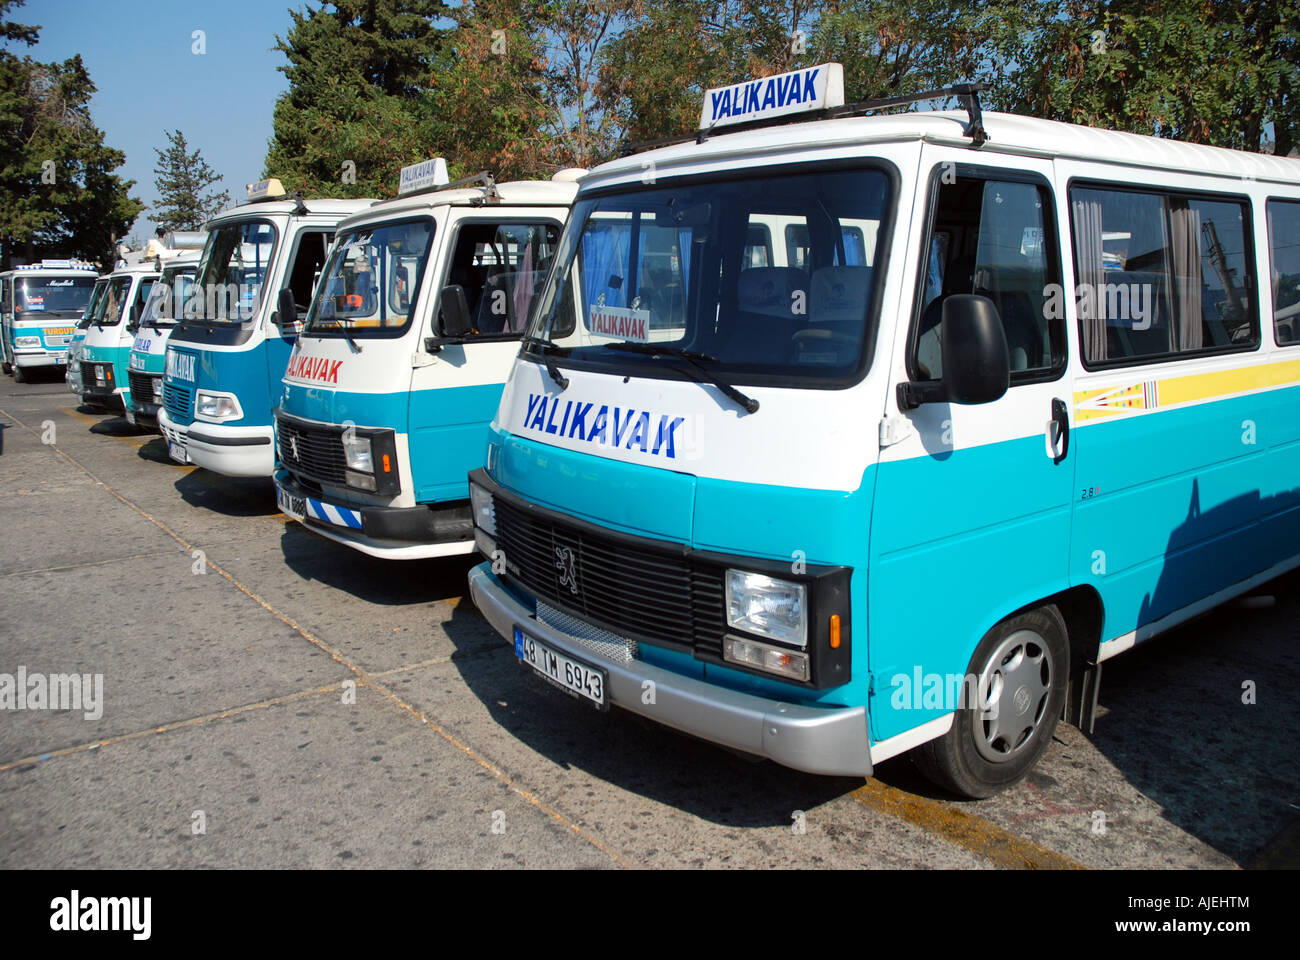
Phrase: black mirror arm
{"type": "Point", "coordinates": [911, 393]}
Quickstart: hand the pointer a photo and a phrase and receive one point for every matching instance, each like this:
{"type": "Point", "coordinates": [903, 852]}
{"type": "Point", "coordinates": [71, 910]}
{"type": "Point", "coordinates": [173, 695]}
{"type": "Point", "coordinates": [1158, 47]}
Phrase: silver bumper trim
{"type": "Point", "coordinates": [824, 740]}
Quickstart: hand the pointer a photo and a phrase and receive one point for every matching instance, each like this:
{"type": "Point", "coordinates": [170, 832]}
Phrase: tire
{"type": "Point", "coordinates": [1022, 666]}
{"type": "Point", "coordinates": [7, 367]}
{"type": "Point", "coordinates": [20, 375]}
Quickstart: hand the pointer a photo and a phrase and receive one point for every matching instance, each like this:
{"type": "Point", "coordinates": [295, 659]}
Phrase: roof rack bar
{"type": "Point", "coordinates": [967, 93]}
{"type": "Point", "coordinates": [482, 179]}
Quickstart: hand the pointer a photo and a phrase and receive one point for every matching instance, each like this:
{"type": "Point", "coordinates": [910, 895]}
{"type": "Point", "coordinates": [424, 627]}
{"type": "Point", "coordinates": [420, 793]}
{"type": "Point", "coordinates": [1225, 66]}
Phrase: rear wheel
{"type": "Point", "coordinates": [1021, 669]}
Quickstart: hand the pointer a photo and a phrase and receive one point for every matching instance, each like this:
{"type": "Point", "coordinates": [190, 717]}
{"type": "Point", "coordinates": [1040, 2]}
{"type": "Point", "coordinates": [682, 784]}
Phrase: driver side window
{"type": "Point", "coordinates": [996, 239]}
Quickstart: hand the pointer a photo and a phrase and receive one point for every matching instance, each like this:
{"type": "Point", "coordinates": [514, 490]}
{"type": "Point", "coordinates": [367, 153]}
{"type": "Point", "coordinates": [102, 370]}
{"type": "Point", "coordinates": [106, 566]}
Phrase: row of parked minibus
{"type": "Point", "coordinates": [818, 435]}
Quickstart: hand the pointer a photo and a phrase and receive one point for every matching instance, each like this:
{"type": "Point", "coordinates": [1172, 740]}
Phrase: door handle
{"type": "Point", "coordinates": [1058, 430]}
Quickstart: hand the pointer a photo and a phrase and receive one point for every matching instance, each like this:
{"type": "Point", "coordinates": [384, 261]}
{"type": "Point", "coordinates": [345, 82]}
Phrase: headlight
{"type": "Point", "coordinates": [767, 607]}
{"type": "Point", "coordinates": [485, 512]}
{"type": "Point", "coordinates": [357, 452]}
{"type": "Point", "coordinates": [157, 387]}
{"type": "Point", "coordinates": [27, 343]}
{"type": "Point", "coordinates": [217, 406]}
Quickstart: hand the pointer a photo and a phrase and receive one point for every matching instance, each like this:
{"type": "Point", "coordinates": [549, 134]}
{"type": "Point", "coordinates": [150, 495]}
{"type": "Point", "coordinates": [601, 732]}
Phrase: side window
{"type": "Point", "coordinates": [313, 247]}
{"type": "Point", "coordinates": [758, 247]}
{"type": "Point", "coordinates": [994, 238]}
{"type": "Point", "coordinates": [1284, 268]}
{"type": "Point", "coordinates": [502, 267]}
{"type": "Point", "coordinates": [1159, 275]}
{"type": "Point", "coordinates": [139, 303]}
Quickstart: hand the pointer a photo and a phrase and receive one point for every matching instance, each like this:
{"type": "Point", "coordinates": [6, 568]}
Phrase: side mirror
{"type": "Point", "coordinates": [454, 310]}
{"type": "Point", "coordinates": [976, 362]}
{"type": "Point", "coordinates": [286, 312]}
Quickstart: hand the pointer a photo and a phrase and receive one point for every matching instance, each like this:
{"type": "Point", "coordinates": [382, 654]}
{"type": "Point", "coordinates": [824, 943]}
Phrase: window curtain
{"type": "Point", "coordinates": [1185, 246]}
{"type": "Point", "coordinates": [1089, 277]}
{"type": "Point", "coordinates": [604, 254]}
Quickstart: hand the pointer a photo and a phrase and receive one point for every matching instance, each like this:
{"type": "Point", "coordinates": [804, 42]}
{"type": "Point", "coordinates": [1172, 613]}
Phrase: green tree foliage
{"type": "Point", "coordinates": [1205, 71]}
{"type": "Point", "coordinates": [359, 104]}
{"type": "Point", "coordinates": [521, 88]}
{"type": "Point", "coordinates": [654, 74]}
{"type": "Point", "coordinates": [182, 180]}
{"type": "Point", "coordinates": [491, 99]}
{"type": "Point", "coordinates": [59, 196]}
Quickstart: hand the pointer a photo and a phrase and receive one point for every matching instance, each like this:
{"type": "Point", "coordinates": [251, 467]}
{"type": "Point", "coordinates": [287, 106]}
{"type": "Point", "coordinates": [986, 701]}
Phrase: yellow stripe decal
{"type": "Point", "coordinates": [1100, 402]}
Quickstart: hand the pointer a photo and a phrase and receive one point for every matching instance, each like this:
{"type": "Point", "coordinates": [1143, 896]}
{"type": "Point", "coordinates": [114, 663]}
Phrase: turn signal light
{"type": "Point", "coordinates": [835, 631]}
{"type": "Point", "coordinates": [388, 466]}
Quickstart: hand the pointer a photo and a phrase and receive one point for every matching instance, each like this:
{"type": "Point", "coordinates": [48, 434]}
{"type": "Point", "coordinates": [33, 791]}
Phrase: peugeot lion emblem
{"type": "Point", "coordinates": [564, 562]}
{"type": "Point", "coordinates": [293, 447]}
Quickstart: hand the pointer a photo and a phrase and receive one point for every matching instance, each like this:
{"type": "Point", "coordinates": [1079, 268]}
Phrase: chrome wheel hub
{"type": "Point", "coordinates": [1014, 686]}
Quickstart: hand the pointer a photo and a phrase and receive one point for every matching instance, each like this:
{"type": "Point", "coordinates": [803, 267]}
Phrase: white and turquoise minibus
{"type": "Point", "coordinates": [40, 305]}
{"type": "Point", "coordinates": [148, 349]}
{"type": "Point", "coordinates": [223, 363]}
{"type": "Point", "coordinates": [830, 508]}
{"type": "Point", "coordinates": [102, 354]}
{"type": "Point", "coordinates": [415, 326]}
{"type": "Point", "coordinates": [73, 375]}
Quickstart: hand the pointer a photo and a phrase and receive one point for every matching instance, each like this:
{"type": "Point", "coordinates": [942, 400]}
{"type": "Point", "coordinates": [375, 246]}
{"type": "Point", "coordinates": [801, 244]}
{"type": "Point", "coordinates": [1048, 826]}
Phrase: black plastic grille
{"type": "Point", "coordinates": [142, 386]}
{"type": "Point", "coordinates": [178, 402]}
{"type": "Point", "coordinates": [659, 595]}
{"type": "Point", "coordinates": [311, 453]}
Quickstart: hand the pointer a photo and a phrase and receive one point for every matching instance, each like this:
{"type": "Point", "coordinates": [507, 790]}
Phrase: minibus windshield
{"type": "Point", "coordinates": [769, 278]}
{"type": "Point", "coordinates": [371, 284]}
{"type": "Point", "coordinates": [96, 295]}
{"type": "Point", "coordinates": [160, 309]}
{"type": "Point", "coordinates": [108, 310]}
{"type": "Point", "coordinates": [45, 296]}
{"type": "Point", "coordinates": [234, 266]}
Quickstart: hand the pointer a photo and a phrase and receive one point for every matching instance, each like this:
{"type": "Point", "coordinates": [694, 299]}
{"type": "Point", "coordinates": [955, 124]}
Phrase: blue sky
{"type": "Point", "coordinates": [140, 56]}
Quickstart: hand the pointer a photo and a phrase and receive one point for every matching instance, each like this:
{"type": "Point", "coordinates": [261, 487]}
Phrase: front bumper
{"type": "Point", "coordinates": [393, 533]}
{"type": "Point", "coordinates": [232, 451]}
{"type": "Point", "coordinates": [29, 360]}
{"type": "Point", "coordinates": [824, 740]}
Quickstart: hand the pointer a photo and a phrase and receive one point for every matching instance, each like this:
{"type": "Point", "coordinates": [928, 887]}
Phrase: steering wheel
{"type": "Point", "coordinates": [814, 337]}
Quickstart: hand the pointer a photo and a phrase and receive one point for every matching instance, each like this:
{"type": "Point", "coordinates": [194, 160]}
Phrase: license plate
{"type": "Point", "coordinates": [292, 504]}
{"type": "Point", "coordinates": [177, 452]}
{"type": "Point", "coordinates": [60, 361]}
{"type": "Point", "coordinates": [562, 670]}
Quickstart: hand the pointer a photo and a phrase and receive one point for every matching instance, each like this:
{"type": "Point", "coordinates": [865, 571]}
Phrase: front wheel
{"type": "Point", "coordinates": [1020, 671]}
{"type": "Point", "coordinates": [20, 375]}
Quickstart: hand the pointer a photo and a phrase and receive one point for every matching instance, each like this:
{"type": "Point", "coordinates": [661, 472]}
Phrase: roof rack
{"type": "Point", "coordinates": [967, 93]}
{"type": "Point", "coordinates": [482, 178]}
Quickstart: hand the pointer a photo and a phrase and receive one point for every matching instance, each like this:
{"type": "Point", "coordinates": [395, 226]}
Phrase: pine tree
{"type": "Point", "coordinates": [182, 179]}
{"type": "Point", "coordinates": [59, 196]}
{"type": "Point", "coordinates": [358, 107]}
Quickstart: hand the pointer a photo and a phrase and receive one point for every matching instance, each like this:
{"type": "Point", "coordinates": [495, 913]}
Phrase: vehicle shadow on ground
{"type": "Point", "coordinates": [1204, 720]}
{"type": "Point", "coordinates": [117, 425]}
{"type": "Point", "coordinates": [228, 496]}
{"type": "Point", "coordinates": [386, 582]}
{"type": "Point", "coordinates": [155, 451]}
{"type": "Point", "coordinates": [625, 750]}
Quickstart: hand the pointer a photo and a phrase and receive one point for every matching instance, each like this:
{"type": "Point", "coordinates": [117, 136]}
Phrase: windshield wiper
{"type": "Point", "coordinates": [546, 348]}
{"type": "Point", "coordinates": [697, 361]}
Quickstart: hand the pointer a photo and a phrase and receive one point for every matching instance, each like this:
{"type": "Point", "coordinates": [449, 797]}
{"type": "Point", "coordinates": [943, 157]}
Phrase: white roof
{"type": "Point", "coordinates": [327, 207]}
{"type": "Point", "coordinates": [516, 193]}
{"type": "Point", "coordinates": [1008, 133]}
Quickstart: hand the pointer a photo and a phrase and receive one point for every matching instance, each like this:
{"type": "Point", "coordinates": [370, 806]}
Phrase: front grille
{"type": "Point", "coordinates": [141, 386]}
{"type": "Point", "coordinates": [178, 402]}
{"type": "Point", "coordinates": [310, 452]}
{"type": "Point", "coordinates": [635, 589]}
